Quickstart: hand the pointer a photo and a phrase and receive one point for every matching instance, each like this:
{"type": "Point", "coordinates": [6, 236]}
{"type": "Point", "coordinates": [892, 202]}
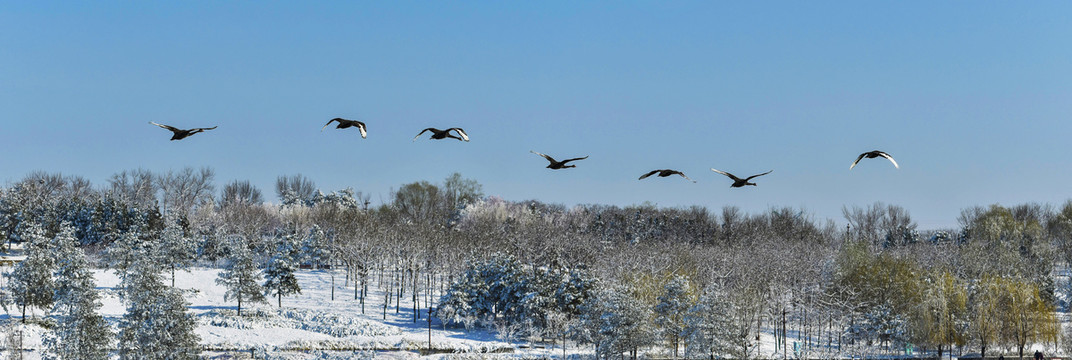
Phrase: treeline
{"type": "Point", "coordinates": [623, 279]}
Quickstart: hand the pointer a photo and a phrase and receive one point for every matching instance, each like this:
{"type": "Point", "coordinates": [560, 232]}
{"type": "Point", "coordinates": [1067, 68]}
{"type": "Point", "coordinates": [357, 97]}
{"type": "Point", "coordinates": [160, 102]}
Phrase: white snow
{"type": "Point", "coordinates": [312, 326]}
{"type": "Point", "coordinates": [306, 322]}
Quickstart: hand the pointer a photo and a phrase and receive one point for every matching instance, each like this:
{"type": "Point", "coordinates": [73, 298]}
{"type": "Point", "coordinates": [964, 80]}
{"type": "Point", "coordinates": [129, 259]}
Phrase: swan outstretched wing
{"type": "Point", "coordinates": [165, 126]}
{"type": "Point", "coordinates": [857, 161]}
{"type": "Point", "coordinates": [422, 132]}
{"type": "Point", "coordinates": [731, 176]}
{"type": "Point", "coordinates": [329, 123]}
{"type": "Point", "coordinates": [683, 175]}
{"type": "Point", "coordinates": [551, 159]}
{"type": "Point", "coordinates": [460, 132]}
{"type": "Point", "coordinates": [758, 175]}
{"type": "Point", "coordinates": [890, 158]}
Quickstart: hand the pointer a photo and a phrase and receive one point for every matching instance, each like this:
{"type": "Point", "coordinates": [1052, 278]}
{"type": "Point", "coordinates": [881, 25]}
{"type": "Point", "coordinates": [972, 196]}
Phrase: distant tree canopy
{"type": "Point", "coordinates": [240, 193]}
{"type": "Point", "coordinates": [424, 203]}
{"type": "Point", "coordinates": [295, 189]}
{"type": "Point", "coordinates": [574, 272]}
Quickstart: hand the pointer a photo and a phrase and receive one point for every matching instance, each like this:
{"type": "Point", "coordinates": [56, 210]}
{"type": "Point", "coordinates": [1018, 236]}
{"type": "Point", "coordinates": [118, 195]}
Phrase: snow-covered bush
{"type": "Point", "coordinates": [501, 291]}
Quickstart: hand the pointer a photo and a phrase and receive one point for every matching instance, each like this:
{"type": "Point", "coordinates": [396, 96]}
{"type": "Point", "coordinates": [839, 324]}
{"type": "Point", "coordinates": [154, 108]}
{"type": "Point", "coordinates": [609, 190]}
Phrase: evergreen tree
{"type": "Point", "coordinates": [175, 249]}
{"type": "Point", "coordinates": [670, 312]}
{"type": "Point", "coordinates": [315, 247]}
{"type": "Point", "coordinates": [722, 323]}
{"type": "Point", "coordinates": [129, 248]}
{"type": "Point", "coordinates": [81, 332]}
{"type": "Point", "coordinates": [156, 324]}
{"type": "Point", "coordinates": [616, 322]}
{"type": "Point", "coordinates": [31, 280]}
{"type": "Point", "coordinates": [241, 277]}
{"type": "Point", "coordinates": [279, 276]}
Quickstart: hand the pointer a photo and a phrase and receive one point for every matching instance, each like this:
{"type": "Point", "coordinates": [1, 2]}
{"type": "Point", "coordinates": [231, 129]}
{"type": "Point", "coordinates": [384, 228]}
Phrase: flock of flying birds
{"type": "Point", "coordinates": [437, 134]}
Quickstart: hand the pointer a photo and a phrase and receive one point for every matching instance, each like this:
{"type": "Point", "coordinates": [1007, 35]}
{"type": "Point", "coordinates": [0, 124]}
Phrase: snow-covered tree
{"type": "Point", "coordinates": [241, 277]}
{"type": "Point", "coordinates": [722, 323]}
{"type": "Point", "coordinates": [279, 276]}
{"type": "Point", "coordinates": [295, 190]}
{"type": "Point", "coordinates": [129, 248]}
{"type": "Point", "coordinates": [156, 324]}
{"type": "Point", "coordinates": [31, 281]}
{"type": "Point", "coordinates": [175, 250]}
{"type": "Point", "coordinates": [704, 324]}
{"type": "Point", "coordinates": [616, 322]}
{"type": "Point", "coordinates": [491, 288]}
{"type": "Point", "coordinates": [344, 199]}
{"type": "Point", "coordinates": [674, 304]}
{"type": "Point", "coordinates": [315, 247]}
{"type": "Point", "coordinates": [81, 332]}
{"type": "Point", "coordinates": [985, 312]}
{"type": "Point", "coordinates": [881, 323]}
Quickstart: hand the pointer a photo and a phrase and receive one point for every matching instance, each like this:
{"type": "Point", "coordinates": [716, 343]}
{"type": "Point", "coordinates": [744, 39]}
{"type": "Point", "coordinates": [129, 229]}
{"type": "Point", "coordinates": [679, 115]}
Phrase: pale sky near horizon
{"type": "Point", "coordinates": [971, 97]}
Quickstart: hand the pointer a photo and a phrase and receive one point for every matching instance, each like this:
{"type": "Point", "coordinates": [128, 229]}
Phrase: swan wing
{"type": "Point", "coordinates": [890, 158]}
{"type": "Point", "coordinates": [731, 176]}
{"type": "Point", "coordinates": [857, 161]}
{"type": "Point", "coordinates": [419, 134]}
{"type": "Point", "coordinates": [683, 175]}
{"type": "Point", "coordinates": [758, 175]}
{"type": "Point", "coordinates": [551, 159]}
{"type": "Point", "coordinates": [165, 126]}
{"type": "Point", "coordinates": [574, 159]}
{"type": "Point", "coordinates": [329, 123]}
{"type": "Point", "coordinates": [460, 132]}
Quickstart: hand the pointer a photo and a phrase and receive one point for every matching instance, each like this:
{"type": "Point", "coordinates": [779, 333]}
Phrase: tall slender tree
{"type": "Point", "coordinates": [156, 324]}
{"type": "Point", "coordinates": [81, 332]}
{"type": "Point", "coordinates": [241, 277]}
{"type": "Point", "coordinates": [31, 281]}
{"type": "Point", "coordinates": [279, 276]}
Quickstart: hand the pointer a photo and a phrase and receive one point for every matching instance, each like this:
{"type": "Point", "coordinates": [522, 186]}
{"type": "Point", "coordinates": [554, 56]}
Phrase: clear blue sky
{"type": "Point", "coordinates": [971, 97]}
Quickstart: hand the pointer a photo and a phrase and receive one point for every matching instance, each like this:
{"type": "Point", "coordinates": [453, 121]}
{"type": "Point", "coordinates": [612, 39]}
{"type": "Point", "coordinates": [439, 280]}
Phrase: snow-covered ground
{"type": "Point", "coordinates": [312, 326]}
{"type": "Point", "coordinates": [307, 326]}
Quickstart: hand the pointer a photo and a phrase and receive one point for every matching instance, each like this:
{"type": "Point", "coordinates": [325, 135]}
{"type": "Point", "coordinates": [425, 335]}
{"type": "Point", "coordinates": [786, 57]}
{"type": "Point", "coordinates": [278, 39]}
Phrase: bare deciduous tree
{"type": "Point", "coordinates": [186, 189]}
{"type": "Point", "coordinates": [241, 192]}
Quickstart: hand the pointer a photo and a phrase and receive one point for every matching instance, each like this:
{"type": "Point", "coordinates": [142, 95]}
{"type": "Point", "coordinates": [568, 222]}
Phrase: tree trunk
{"type": "Point", "coordinates": [785, 337]}
{"type": "Point", "coordinates": [429, 329]}
{"type": "Point", "coordinates": [563, 345]}
{"type": "Point", "coordinates": [239, 304]}
{"type": "Point", "coordinates": [416, 299]}
{"type": "Point", "coordinates": [279, 299]}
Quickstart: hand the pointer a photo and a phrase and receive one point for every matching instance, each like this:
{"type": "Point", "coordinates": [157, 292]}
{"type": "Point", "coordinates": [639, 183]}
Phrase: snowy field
{"type": "Point", "coordinates": [312, 326]}
{"type": "Point", "coordinates": [308, 325]}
